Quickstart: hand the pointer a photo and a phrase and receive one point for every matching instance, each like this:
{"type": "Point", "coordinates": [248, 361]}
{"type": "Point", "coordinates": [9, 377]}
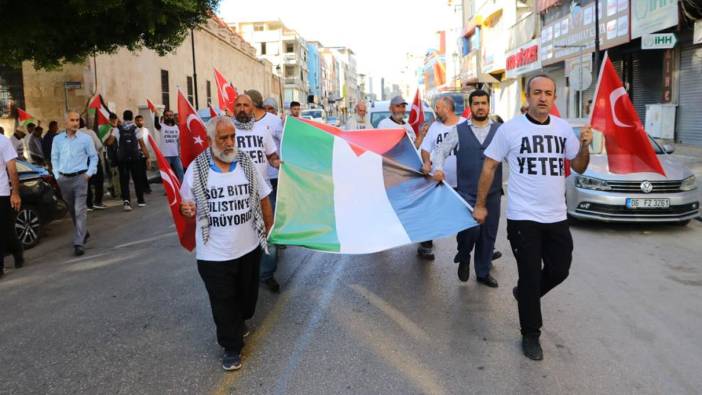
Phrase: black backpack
{"type": "Point", "coordinates": [128, 144]}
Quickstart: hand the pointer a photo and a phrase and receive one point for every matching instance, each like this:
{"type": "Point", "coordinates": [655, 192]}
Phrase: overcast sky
{"type": "Point", "coordinates": [380, 32]}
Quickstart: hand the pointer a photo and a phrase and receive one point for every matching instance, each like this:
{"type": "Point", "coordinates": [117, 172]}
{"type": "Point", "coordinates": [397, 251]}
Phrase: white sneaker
{"type": "Point", "coordinates": [127, 206]}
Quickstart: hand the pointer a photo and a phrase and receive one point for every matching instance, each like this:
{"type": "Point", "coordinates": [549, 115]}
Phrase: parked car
{"type": "Point", "coordinates": [380, 110]}
{"type": "Point", "coordinates": [314, 114]}
{"type": "Point", "coordinates": [41, 202]}
{"type": "Point", "coordinates": [601, 195]}
{"type": "Point", "coordinates": [334, 121]}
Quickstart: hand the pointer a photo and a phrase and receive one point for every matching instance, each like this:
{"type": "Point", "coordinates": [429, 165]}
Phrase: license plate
{"type": "Point", "coordinates": [647, 203]}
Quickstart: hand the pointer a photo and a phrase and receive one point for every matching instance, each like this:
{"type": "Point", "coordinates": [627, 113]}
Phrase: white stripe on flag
{"type": "Point", "coordinates": [365, 220]}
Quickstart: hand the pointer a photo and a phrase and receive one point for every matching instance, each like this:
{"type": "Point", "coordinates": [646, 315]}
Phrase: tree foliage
{"type": "Point", "coordinates": [53, 32]}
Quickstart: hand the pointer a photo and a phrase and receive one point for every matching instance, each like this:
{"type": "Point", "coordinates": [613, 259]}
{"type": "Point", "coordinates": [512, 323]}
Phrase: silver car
{"type": "Point", "coordinates": [638, 197]}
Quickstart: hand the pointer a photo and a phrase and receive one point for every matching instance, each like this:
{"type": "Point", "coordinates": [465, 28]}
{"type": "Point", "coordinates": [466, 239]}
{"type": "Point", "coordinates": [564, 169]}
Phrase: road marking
{"type": "Point", "coordinates": [84, 258]}
{"type": "Point", "coordinates": [163, 236]}
{"type": "Point", "coordinates": [394, 314]}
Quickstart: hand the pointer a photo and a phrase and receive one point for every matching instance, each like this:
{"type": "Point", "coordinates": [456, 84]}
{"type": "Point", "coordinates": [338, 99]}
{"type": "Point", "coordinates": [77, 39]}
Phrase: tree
{"type": "Point", "coordinates": [53, 32]}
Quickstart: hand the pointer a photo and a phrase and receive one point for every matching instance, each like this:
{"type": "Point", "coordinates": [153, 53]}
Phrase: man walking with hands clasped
{"type": "Point", "coordinates": [536, 146]}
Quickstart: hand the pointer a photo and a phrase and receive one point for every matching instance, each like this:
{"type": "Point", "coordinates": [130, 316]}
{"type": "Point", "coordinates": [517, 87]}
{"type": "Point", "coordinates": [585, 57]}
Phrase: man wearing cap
{"type": "Point", "coordinates": [271, 106]}
{"type": "Point", "coordinates": [259, 142]}
{"type": "Point", "coordinates": [396, 120]}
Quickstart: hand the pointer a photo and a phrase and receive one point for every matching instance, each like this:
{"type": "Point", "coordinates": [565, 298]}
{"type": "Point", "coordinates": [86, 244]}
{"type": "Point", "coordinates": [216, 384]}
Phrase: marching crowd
{"type": "Point", "coordinates": [238, 175]}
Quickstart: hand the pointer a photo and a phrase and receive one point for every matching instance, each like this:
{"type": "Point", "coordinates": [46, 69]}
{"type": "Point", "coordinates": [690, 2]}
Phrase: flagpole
{"type": "Point", "coordinates": [597, 87]}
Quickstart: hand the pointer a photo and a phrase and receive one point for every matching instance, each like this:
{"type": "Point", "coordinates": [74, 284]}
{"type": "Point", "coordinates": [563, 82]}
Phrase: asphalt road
{"type": "Point", "coordinates": [132, 317]}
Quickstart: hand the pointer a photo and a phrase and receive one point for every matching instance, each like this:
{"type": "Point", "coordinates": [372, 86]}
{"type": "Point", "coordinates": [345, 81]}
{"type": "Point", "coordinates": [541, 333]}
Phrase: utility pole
{"type": "Point", "coordinates": [192, 42]}
{"type": "Point", "coordinates": [597, 36]}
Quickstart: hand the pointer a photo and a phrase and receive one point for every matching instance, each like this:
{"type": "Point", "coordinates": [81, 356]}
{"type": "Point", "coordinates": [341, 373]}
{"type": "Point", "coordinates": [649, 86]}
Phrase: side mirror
{"type": "Point", "coordinates": [668, 148]}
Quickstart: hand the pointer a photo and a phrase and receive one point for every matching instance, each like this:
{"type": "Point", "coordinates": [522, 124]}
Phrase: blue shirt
{"type": "Point", "coordinates": [216, 169]}
{"type": "Point", "coordinates": [73, 154]}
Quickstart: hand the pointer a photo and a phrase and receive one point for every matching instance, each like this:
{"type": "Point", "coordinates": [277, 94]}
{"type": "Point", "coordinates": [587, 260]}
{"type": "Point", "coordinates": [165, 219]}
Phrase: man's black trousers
{"type": "Point", "coordinates": [481, 238]}
{"type": "Point", "coordinates": [133, 168]}
{"type": "Point", "coordinates": [543, 253]}
{"type": "Point", "coordinates": [233, 290]}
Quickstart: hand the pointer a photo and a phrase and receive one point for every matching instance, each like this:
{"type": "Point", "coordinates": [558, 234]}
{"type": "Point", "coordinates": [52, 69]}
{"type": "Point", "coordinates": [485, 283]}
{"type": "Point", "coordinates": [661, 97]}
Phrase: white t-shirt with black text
{"type": "Point", "coordinates": [259, 144]}
{"type": "Point", "coordinates": [536, 156]}
{"type": "Point", "coordinates": [232, 232]}
{"type": "Point", "coordinates": [273, 125]}
{"type": "Point", "coordinates": [7, 153]}
{"type": "Point", "coordinates": [388, 123]}
{"type": "Point", "coordinates": [435, 135]}
{"type": "Point", "coordinates": [169, 140]}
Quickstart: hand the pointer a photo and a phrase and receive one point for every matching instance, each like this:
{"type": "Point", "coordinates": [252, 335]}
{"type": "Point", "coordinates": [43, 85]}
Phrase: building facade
{"type": "Point", "coordinates": [126, 79]}
{"type": "Point", "coordinates": [285, 49]}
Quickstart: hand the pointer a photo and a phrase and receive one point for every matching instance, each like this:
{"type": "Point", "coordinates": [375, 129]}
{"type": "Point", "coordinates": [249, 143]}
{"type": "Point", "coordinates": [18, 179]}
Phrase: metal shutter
{"type": "Point", "coordinates": [689, 116]}
{"type": "Point", "coordinates": [647, 84]}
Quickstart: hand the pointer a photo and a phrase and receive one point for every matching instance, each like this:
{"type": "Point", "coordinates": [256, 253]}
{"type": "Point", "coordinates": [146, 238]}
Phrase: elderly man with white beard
{"type": "Point", "coordinates": [228, 198]}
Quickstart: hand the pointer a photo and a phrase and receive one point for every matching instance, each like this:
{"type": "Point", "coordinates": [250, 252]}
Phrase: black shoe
{"type": "Point", "coordinates": [496, 255]}
{"type": "Point", "coordinates": [78, 251]}
{"type": "Point", "coordinates": [231, 361]}
{"type": "Point", "coordinates": [19, 261]}
{"type": "Point", "coordinates": [532, 348]}
{"type": "Point", "coordinates": [2, 272]}
{"type": "Point", "coordinates": [246, 330]}
{"type": "Point", "coordinates": [87, 236]}
{"type": "Point", "coordinates": [272, 285]}
{"type": "Point", "coordinates": [488, 280]}
{"type": "Point", "coordinates": [515, 294]}
{"type": "Point", "coordinates": [464, 270]}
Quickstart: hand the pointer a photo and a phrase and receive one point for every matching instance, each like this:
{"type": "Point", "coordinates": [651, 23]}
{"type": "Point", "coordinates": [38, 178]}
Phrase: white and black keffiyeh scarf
{"type": "Point", "coordinates": [202, 168]}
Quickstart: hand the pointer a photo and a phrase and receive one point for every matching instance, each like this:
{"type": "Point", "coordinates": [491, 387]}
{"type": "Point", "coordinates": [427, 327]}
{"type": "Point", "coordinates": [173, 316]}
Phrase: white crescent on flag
{"type": "Point", "coordinates": [613, 97]}
{"type": "Point", "coordinates": [194, 117]}
{"type": "Point", "coordinates": [167, 179]}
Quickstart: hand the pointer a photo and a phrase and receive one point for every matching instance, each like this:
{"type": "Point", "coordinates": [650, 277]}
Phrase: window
{"type": "Point", "coordinates": [289, 47]}
{"type": "Point", "coordinates": [165, 91]}
{"type": "Point", "coordinates": [190, 89]}
{"type": "Point", "coordinates": [209, 92]}
{"type": "Point", "coordinates": [263, 48]}
{"type": "Point", "coordinates": [258, 28]}
{"type": "Point", "coordinates": [302, 77]}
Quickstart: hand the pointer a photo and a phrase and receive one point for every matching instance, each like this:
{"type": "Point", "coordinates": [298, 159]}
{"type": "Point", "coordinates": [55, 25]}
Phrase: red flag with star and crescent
{"type": "Point", "coordinates": [193, 135]}
{"type": "Point", "coordinates": [416, 118]}
{"type": "Point", "coordinates": [628, 147]}
{"type": "Point", "coordinates": [185, 228]}
{"type": "Point", "coordinates": [226, 93]}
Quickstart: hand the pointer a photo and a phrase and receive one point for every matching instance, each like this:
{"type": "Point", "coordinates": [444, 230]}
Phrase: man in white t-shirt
{"type": "Point", "coordinates": [255, 138]}
{"type": "Point", "coordinates": [536, 146]}
{"type": "Point", "coordinates": [398, 106]}
{"type": "Point", "coordinates": [170, 141]}
{"type": "Point", "coordinates": [9, 200]}
{"type": "Point", "coordinates": [360, 120]}
{"type": "Point", "coordinates": [228, 197]}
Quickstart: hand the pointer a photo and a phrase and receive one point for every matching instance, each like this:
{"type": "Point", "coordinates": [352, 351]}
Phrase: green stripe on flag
{"type": "Point", "coordinates": [305, 203]}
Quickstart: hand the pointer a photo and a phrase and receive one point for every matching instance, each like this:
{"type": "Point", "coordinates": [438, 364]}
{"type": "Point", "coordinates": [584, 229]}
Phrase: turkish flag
{"type": "Point", "coordinates": [185, 228]}
{"type": "Point", "coordinates": [151, 105]}
{"type": "Point", "coordinates": [193, 135]}
{"type": "Point", "coordinates": [554, 111]}
{"type": "Point", "coordinates": [628, 147]}
{"type": "Point", "coordinates": [226, 93]}
{"type": "Point", "coordinates": [213, 113]}
{"type": "Point", "coordinates": [416, 118]}
{"type": "Point", "coordinates": [467, 113]}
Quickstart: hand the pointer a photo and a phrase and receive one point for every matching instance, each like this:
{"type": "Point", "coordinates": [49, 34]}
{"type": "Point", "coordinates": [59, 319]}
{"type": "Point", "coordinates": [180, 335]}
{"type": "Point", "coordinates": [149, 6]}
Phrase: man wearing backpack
{"type": "Point", "coordinates": [129, 140]}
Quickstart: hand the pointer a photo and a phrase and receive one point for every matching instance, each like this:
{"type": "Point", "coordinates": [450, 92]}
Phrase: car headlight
{"type": "Point", "coordinates": [688, 184]}
{"type": "Point", "coordinates": [591, 183]}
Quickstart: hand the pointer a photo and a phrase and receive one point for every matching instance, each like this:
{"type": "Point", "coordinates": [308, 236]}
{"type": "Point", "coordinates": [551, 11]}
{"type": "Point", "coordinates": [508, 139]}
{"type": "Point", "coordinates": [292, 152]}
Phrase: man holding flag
{"type": "Point", "coordinates": [536, 145]}
{"type": "Point", "coordinates": [170, 141]}
{"type": "Point", "coordinates": [396, 120]}
{"type": "Point", "coordinates": [228, 198]}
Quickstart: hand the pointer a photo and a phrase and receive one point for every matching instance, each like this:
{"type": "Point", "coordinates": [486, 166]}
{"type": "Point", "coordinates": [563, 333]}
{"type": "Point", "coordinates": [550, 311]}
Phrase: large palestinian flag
{"type": "Point", "coordinates": [358, 192]}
